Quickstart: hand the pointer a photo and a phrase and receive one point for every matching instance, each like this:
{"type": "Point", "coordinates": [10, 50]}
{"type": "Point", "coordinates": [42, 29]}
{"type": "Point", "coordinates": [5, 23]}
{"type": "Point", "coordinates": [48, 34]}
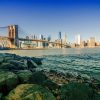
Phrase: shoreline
{"type": "Point", "coordinates": [45, 48]}
{"type": "Point", "coordinates": [22, 72]}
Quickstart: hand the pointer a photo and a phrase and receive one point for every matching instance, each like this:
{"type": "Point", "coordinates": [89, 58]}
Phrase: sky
{"type": "Point", "coordinates": [48, 17]}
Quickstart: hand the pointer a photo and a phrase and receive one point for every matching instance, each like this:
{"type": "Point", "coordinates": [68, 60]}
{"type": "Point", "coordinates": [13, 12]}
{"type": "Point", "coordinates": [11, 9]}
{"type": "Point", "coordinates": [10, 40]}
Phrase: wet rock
{"type": "Point", "coordinates": [85, 76]}
{"type": "Point", "coordinates": [30, 92]}
{"type": "Point", "coordinates": [38, 61]}
{"type": "Point", "coordinates": [53, 71]}
{"type": "Point", "coordinates": [31, 64]}
{"type": "Point", "coordinates": [1, 60]}
{"type": "Point", "coordinates": [1, 95]}
{"type": "Point", "coordinates": [39, 77]}
{"type": "Point", "coordinates": [8, 67]}
{"type": "Point", "coordinates": [25, 76]}
{"type": "Point", "coordinates": [8, 81]}
{"type": "Point", "coordinates": [19, 65]}
{"type": "Point", "coordinates": [50, 84]}
{"type": "Point", "coordinates": [77, 91]}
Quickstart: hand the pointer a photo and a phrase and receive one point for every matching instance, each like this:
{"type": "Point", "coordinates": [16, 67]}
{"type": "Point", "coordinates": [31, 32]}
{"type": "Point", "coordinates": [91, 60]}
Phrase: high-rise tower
{"type": "Point", "coordinates": [78, 39]}
{"type": "Point", "coordinates": [59, 35]}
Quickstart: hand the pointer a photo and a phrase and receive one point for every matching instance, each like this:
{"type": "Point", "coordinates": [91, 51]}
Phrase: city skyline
{"type": "Point", "coordinates": [51, 16]}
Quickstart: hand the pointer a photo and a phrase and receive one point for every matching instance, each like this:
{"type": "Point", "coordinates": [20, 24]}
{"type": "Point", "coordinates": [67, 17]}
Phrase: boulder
{"type": "Point", "coordinates": [30, 92]}
{"type": "Point", "coordinates": [1, 60]}
{"type": "Point", "coordinates": [31, 64]}
{"type": "Point", "coordinates": [8, 81]}
{"type": "Point", "coordinates": [51, 85]}
{"type": "Point", "coordinates": [77, 91]}
{"type": "Point", "coordinates": [25, 76]}
{"type": "Point", "coordinates": [38, 61]}
{"type": "Point", "coordinates": [19, 65]}
{"type": "Point", "coordinates": [39, 77]}
{"type": "Point", "coordinates": [8, 67]}
{"type": "Point", "coordinates": [1, 95]}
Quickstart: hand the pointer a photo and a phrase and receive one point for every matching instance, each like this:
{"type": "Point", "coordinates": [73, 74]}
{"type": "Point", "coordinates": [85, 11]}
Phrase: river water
{"type": "Point", "coordinates": [84, 61]}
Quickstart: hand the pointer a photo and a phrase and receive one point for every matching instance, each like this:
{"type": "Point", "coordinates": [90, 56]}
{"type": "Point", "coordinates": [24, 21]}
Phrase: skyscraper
{"type": "Point", "coordinates": [78, 39]}
{"type": "Point", "coordinates": [65, 39]}
{"type": "Point", "coordinates": [49, 38]}
{"type": "Point", "coordinates": [59, 35]}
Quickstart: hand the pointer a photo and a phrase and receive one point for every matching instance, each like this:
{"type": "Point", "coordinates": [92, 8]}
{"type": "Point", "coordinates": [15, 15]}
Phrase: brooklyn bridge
{"type": "Point", "coordinates": [16, 38]}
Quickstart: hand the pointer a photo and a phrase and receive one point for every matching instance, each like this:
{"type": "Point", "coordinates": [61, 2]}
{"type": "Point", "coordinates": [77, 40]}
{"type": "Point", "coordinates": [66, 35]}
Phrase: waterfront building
{"type": "Point", "coordinates": [65, 39]}
{"type": "Point", "coordinates": [83, 44]}
{"type": "Point", "coordinates": [97, 43]}
{"type": "Point", "coordinates": [40, 44]}
{"type": "Point", "coordinates": [41, 37]}
{"type": "Point", "coordinates": [91, 42]}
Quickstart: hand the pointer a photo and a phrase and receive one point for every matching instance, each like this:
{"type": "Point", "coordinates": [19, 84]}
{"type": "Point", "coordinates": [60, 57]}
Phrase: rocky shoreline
{"type": "Point", "coordinates": [20, 80]}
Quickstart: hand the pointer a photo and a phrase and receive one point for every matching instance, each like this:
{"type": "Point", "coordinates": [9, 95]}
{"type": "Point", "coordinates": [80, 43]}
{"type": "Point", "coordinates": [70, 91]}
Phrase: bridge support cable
{"type": "Point", "coordinates": [22, 33]}
{"type": "Point", "coordinates": [4, 31]}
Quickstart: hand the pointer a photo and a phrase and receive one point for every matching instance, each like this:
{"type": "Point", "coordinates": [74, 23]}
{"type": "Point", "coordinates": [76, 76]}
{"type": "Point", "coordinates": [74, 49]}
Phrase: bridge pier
{"type": "Point", "coordinates": [13, 35]}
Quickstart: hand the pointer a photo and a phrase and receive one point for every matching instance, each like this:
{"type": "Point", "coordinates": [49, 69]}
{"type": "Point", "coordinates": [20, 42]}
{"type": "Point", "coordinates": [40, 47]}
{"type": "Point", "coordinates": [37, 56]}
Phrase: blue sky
{"type": "Point", "coordinates": [48, 17]}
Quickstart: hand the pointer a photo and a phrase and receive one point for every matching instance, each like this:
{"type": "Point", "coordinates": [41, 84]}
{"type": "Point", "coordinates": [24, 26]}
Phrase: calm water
{"type": "Point", "coordinates": [75, 61]}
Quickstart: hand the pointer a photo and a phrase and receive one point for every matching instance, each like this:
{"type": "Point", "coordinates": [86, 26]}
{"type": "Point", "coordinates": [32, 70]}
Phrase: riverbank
{"type": "Point", "coordinates": [20, 79]}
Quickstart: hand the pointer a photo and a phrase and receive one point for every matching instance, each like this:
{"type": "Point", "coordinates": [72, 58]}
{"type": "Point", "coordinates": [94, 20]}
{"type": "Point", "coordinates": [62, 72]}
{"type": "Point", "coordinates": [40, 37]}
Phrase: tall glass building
{"type": "Point", "coordinates": [59, 35]}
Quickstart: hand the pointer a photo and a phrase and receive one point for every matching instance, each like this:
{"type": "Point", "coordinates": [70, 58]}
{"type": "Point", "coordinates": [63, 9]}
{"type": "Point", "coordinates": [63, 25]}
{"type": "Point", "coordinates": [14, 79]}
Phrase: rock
{"type": "Point", "coordinates": [97, 97]}
{"type": "Point", "coordinates": [31, 64]}
{"type": "Point", "coordinates": [53, 71]}
{"type": "Point", "coordinates": [39, 77]}
{"type": "Point", "coordinates": [77, 91]}
{"type": "Point", "coordinates": [38, 61]}
{"type": "Point", "coordinates": [51, 85]}
{"type": "Point", "coordinates": [25, 76]}
{"type": "Point", "coordinates": [8, 67]}
{"type": "Point", "coordinates": [1, 96]}
{"type": "Point", "coordinates": [1, 60]}
{"type": "Point", "coordinates": [8, 81]}
{"type": "Point", "coordinates": [30, 92]}
{"type": "Point", "coordinates": [19, 65]}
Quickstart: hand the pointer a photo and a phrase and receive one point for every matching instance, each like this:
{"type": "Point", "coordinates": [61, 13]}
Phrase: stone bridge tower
{"type": "Point", "coordinates": [13, 35]}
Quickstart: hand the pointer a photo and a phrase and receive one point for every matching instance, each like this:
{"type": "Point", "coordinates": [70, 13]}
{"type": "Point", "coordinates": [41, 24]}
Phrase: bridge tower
{"type": "Point", "coordinates": [13, 35]}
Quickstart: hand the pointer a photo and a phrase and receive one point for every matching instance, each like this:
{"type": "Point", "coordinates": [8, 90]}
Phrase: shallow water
{"type": "Point", "coordinates": [75, 61]}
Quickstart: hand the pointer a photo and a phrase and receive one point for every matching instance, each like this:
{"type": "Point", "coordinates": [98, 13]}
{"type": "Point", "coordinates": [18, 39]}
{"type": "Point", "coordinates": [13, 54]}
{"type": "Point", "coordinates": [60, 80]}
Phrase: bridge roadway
{"type": "Point", "coordinates": [23, 39]}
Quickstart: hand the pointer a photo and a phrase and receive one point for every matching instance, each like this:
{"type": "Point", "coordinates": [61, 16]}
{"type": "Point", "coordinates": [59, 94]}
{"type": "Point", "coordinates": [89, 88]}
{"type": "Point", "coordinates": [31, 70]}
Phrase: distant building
{"type": "Point", "coordinates": [65, 39]}
{"type": "Point", "coordinates": [27, 37]}
{"type": "Point", "coordinates": [49, 38]}
{"type": "Point", "coordinates": [91, 42]}
{"type": "Point", "coordinates": [59, 35]}
{"type": "Point", "coordinates": [78, 39]}
{"type": "Point", "coordinates": [41, 37]}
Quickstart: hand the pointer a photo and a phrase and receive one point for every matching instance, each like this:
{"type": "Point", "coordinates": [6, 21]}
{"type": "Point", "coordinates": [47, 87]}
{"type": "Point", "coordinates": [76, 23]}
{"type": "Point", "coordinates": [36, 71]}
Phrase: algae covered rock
{"type": "Point", "coordinates": [7, 67]}
{"type": "Point", "coordinates": [31, 64]}
{"type": "Point", "coordinates": [30, 92]}
{"type": "Point", "coordinates": [25, 76]}
{"type": "Point", "coordinates": [1, 59]}
{"type": "Point", "coordinates": [38, 61]}
{"type": "Point", "coordinates": [8, 81]}
{"type": "Point", "coordinates": [1, 95]}
{"type": "Point", "coordinates": [77, 91]}
{"type": "Point", "coordinates": [19, 65]}
{"type": "Point", "coordinates": [39, 77]}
